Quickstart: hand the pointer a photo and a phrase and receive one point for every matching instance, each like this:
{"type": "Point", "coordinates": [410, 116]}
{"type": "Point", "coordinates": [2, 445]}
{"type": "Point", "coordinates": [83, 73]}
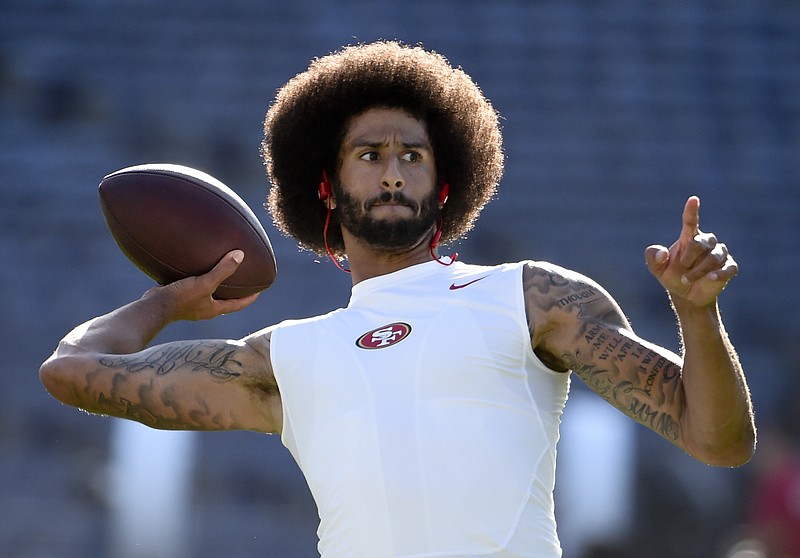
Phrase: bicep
{"type": "Point", "coordinates": [184, 385]}
{"type": "Point", "coordinates": [583, 329]}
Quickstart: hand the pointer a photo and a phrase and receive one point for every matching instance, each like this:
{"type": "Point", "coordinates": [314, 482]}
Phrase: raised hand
{"type": "Point", "coordinates": [697, 267]}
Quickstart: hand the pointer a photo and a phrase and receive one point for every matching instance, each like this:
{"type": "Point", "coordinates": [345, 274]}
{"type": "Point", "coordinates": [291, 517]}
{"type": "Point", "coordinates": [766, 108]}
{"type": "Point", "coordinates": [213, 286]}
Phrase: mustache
{"type": "Point", "coordinates": [396, 198]}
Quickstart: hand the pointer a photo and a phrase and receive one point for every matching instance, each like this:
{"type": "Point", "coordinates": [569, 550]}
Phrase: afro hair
{"type": "Point", "coordinates": [307, 121]}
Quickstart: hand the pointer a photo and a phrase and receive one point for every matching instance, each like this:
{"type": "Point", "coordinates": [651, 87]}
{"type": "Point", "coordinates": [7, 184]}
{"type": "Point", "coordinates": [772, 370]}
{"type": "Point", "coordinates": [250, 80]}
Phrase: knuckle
{"type": "Point", "coordinates": [707, 241]}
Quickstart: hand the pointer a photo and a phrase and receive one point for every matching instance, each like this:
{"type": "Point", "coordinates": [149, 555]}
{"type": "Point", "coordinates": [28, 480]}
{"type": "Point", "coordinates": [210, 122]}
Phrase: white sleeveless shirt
{"type": "Point", "coordinates": [421, 418]}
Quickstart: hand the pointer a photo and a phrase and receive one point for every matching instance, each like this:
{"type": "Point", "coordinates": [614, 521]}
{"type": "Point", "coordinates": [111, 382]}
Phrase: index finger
{"type": "Point", "coordinates": [691, 218]}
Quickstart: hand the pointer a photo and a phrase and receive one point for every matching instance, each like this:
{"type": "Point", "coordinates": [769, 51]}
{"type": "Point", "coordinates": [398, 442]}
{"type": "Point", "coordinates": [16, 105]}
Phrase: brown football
{"type": "Point", "coordinates": [174, 222]}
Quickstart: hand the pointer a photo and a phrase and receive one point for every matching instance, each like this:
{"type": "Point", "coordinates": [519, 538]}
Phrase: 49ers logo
{"type": "Point", "coordinates": [384, 336]}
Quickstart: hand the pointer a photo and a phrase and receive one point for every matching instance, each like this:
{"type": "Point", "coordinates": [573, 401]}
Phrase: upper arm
{"type": "Point", "coordinates": [182, 385]}
{"type": "Point", "coordinates": [577, 325]}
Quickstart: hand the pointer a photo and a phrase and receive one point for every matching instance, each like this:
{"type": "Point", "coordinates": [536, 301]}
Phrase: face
{"type": "Point", "coordinates": [386, 195]}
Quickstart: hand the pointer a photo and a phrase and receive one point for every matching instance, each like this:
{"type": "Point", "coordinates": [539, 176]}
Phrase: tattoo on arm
{"type": "Point", "coordinates": [196, 356]}
{"type": "Point", "coordinates": [167, 405]}
{"type": "Point", "coordinates": [552, 290]}
{"type": "Point", "coordinates": [648, 401]}
{"type": "Point", "coordinates": [642, 383]}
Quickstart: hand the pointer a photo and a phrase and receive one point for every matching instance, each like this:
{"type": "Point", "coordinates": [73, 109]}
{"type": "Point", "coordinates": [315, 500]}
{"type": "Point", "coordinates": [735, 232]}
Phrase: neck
{"type": "Point", "coordinates": [366, 262]}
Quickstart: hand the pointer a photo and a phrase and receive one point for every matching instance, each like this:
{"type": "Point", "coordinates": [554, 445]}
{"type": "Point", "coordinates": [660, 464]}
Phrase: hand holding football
{"type": "Point", "coordinates": [174, 222]}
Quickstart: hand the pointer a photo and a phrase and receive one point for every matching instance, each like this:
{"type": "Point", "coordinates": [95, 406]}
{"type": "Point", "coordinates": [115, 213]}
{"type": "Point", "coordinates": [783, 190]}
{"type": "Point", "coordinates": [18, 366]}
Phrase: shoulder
{"type": "Point", "coordinates": [558, 299]}
{"type": "Point", "coordinates": [260, 341]}
{"type": "Point", "coordinates": [551, 284]}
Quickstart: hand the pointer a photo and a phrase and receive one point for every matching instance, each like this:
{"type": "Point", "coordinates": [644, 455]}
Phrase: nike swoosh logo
{"type": "Point", "coordinates": [453, 286]}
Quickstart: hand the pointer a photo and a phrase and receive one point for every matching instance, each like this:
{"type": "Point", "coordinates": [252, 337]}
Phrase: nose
{"type": "Point", "coordinates": [392, 177]}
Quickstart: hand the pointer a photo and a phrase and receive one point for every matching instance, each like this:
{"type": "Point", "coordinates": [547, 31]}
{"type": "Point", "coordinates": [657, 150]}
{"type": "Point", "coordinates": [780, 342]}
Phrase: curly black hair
{"type": "Point", "coordinates": [306, 123]}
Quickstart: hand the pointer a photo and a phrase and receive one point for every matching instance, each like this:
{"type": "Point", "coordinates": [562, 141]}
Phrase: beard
{"type": "Point", "coordinates": [390, 235]}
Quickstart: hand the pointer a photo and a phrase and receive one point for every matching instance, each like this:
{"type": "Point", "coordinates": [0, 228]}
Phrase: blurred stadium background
{"type": "Point", "coordinates": [614, 112]}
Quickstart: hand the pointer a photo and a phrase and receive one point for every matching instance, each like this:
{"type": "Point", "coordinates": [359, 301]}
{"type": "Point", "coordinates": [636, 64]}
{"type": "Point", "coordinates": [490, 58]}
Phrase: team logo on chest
{"type": "Point", "coordinates": [384, 336]}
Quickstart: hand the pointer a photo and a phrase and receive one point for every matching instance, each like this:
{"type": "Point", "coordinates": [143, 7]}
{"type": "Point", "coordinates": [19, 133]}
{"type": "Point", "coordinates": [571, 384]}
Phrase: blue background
{"type": "Point", "coordinates": [614, 112]}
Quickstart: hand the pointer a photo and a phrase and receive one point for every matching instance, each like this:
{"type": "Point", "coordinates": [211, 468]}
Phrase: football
{"type": "Point", "coordinates": [174, 222]}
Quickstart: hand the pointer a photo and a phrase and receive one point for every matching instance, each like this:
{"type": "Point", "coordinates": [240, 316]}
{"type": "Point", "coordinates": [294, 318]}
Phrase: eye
{"type": "Point", "coordinates": [412, 157]}
{"type": "Point", "coordinates": [369, 156]}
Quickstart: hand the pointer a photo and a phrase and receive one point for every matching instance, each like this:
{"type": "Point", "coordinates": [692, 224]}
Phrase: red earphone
{"type": "Point", "coordinates": [324, 187]}
{"type": "Point", "coordinates": [325, 193]}
{"type": "Point", "coordinates": [444, 191]}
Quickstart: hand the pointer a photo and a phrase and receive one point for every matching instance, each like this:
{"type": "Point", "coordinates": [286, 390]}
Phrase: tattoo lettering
{"type": "Point", "coordinates": [195, 356]}
{"type": "Point", "coordinates": [599, 379]}
{"type": "Point", "coordinates": [661, 422]}
{"type": "Point", "coordinates": [624, 350]}
{"type": "Point", "coordinates": [592, 332]}
{"type": "Point", "coordinates": [638, 381]}
{"type": "Point", "coordinates": [574, 297]}
{"type": "Point", "coordinates": [547, 290]}
{"type": "Point", "coordinates": [159, 404]}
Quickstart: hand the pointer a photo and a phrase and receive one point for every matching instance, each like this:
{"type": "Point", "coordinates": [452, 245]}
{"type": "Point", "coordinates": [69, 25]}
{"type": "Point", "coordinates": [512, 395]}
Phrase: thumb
{"type": "Point", "coordinates": [222, 270]}
{"type": "Point", "coordinates": [656, 257]}
{"type": "Point", "coordinates": [228, 264]}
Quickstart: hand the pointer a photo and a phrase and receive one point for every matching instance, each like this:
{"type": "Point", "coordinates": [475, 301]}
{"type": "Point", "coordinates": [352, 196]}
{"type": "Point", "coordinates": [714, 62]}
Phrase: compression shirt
{"type": "Point", "coordinates": [421, 418]}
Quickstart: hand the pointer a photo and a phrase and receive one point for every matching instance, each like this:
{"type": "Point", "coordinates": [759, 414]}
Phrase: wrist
{"type": "Point", "coordinates": [692, 316]}
{"type": "Point", "coordinates": [683, 305]}
{"type": "Point", "coordinates": [159, 307]}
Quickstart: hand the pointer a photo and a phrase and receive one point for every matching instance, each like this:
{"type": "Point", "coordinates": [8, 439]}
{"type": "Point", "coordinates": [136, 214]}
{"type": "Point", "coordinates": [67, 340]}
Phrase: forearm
{"type": "Point", "coordinates": [131, 327]}
{"type": "Point", "coordinates": [125, 330]}
{"type": "Point", "coordinates": [718, 415]}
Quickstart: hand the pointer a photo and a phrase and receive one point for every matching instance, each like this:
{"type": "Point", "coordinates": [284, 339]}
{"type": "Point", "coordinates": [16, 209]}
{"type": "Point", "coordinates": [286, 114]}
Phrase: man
{"type": "Point", "coordinates": [425, 414]}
